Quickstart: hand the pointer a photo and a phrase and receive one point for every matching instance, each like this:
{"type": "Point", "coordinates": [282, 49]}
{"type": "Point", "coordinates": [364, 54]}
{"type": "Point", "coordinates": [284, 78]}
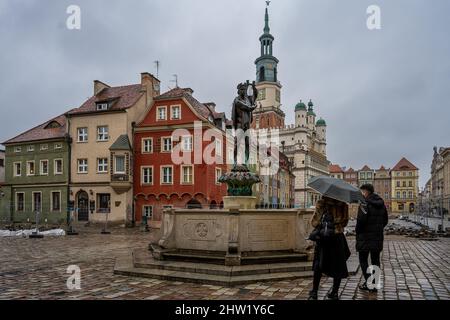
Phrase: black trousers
{"type": "Point", "coordinates": [364, 261]}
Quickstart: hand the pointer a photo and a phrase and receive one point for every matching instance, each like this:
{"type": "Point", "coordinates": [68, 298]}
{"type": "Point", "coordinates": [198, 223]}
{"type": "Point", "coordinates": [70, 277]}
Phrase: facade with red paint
{"type": "Point", "coordinates": [179, 154]}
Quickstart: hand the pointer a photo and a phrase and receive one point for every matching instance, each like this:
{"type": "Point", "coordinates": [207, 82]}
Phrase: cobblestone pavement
{"type": "Point", "coordinates": [36, 269]}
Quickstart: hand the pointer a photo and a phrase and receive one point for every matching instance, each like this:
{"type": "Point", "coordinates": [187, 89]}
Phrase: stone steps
{"type": "Point", "coordinates": [210, 278]}
{"type": "Point", "coordinates": [222, 270]}
{"type": "Point", "coordinates": [245, 259]}
{"type": "Point", "coordinates": [141, 263]}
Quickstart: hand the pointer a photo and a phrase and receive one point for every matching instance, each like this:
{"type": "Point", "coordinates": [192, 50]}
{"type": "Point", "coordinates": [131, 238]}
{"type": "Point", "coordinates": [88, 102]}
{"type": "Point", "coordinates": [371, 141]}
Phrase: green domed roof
{"type": "Point", "coordinates": [310, 104]}
{"type": "Point", "coordinates": [300, 106]}
{"type": "Point", "coordinates": [321, 123]}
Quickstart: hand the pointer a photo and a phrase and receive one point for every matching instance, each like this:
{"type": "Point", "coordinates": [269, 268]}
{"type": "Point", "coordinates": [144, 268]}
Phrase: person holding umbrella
{"type": "Point", "coordinates": [370, 223]}
{"type": "Point", "coordinates": [331, 251]}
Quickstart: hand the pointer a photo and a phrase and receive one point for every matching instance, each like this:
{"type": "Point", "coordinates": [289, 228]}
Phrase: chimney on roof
{"type": "Point", "coordinates": [189, 90]}
{"type": "Point", "coordinates": [151, 85]}
{"type": "Point", "coordinates": [99, 86]}
{"type": "Point", "coordinates": [211, 105]}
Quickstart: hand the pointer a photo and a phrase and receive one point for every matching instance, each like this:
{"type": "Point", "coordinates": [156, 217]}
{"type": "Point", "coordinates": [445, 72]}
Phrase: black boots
{"type": "Point", "coordinates": [333, 295]}
{"type": "Point", "coordinates": [364, 287]}
{"type": "Point", "coordinates": [312, 295]}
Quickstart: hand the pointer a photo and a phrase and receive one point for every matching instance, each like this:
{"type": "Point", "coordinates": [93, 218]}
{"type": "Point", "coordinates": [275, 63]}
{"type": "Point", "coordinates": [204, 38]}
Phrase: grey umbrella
{"type": "Point", "coordinates": [336, 189]}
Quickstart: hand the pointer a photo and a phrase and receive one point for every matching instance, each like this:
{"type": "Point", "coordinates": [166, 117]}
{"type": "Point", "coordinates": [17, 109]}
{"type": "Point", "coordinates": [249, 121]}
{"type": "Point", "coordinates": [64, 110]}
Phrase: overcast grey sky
{"type": "Point", "coordinates": [383, 93]}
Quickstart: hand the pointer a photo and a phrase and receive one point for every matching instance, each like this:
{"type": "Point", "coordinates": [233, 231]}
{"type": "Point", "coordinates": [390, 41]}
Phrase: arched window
{"type": "Point", "coordinates": [275, 74]}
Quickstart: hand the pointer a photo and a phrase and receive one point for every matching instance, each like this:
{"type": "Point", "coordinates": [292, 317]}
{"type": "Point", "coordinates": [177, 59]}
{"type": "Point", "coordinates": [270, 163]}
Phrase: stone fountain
{"type": "Point", "coordinates": [235, 245]}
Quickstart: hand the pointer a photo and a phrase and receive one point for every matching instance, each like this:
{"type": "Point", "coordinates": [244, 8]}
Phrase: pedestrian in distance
{"type": "Point", "coordinates": [371, 221]}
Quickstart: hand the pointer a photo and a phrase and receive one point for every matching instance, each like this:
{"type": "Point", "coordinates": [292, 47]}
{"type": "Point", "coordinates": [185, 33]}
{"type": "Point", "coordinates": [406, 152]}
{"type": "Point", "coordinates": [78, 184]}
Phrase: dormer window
{"type": "Point", "coordinates": [53, 125]}
{"type": "Point", "coordinates": [102, 106]}
{"type": "Point", "coordinates": [175, 112]}
{"type": "Point", "coordinates": [161, 113]}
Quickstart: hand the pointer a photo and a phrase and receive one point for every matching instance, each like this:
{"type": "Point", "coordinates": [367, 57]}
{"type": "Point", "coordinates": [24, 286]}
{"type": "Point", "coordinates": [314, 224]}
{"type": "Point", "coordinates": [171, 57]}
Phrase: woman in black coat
{"type": "Point", "coordinates": [331, 253]}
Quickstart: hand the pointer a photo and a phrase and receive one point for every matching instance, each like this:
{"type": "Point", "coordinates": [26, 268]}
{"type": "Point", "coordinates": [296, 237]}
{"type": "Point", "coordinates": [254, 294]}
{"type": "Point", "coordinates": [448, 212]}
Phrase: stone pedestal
{"type": "Point", "coordinates": [239, 202]}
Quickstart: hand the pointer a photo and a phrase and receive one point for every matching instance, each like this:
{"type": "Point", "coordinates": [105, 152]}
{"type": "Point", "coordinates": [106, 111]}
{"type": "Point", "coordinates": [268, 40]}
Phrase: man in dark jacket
{"type": "Point", "coordinates": [372, 218]}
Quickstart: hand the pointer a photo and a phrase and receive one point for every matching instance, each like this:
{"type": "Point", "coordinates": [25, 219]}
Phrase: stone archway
{"type": "Point", "coordinates": [193, 204]}
{"type": "Point", "coordinates": [213, 205]}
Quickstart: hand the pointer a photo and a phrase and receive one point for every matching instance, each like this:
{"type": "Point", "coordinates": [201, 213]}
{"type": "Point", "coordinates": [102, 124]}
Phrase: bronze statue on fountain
{"type": "Point", "coordinates": [240, 180]}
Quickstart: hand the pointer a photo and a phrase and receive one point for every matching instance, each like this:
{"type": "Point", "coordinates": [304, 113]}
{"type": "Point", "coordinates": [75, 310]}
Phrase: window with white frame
{"type": "Point", "coordinates": [44, 146]}
{"type": "Point", "coordinates": [147, 145]}
{"type": "Point", "coordinates": [186, 143]}
{"type": "Point", "coordinates": [30, 148]}
{"type": "Point", "coordinates": [31, 170]}
{"type": "Point", "coordinates": [82, 165]}
{"type": "Point", "coordinates": [147, 175]}
{"type": "Point", "coordinates": [43, 167]}
{"type": "Point", "coordinates": [166, 143]}
{"type": "Point", "coordinates": [56, 200]}
{"type": "Point", "coordinates": [187, 176]}
{"type": "Point", "coordinates": [17, 169]}
{"type": "Point", "coordinates": [218, 147]}
{"type": "Point", "coordinates": [175, 112]}
{"type": "Point", "coordinates": [147, 211]}
{"type": "Point", "coordinates": [410, 195]}
{"type": "Point", "coordinates": [167, 175]}
{"type": "Point", "coordinates": [37, 201]}
{"type": "Point", "coordinates": [58, 166]}
{"type": "Point", "coordinates": [119, 164]}
{"type": "Point", "coordinates": [102, 133]}
{"type": "Point", "coordinates": [17, 149]}
{"type": "Point", "coordinates": [82, 134]}
{"type": "Point", "coordinates": [58, 145]}
{"type": "Point", "coordinates": [218, 175]}
{"type": "Point", "coordinates": [103, 202]}
{"type": "Point", "coordinates": [102, 165]}
{"type": "Point", "coordinates": [102, 106]}
{"type": "Point", "coordinates": [161, 113]}
{"type": "Point", "coordinates": [20, 201]}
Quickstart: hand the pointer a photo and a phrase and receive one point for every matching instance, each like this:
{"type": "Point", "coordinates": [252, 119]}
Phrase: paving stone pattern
{"type": "Point", "coordinates": [36, 269]}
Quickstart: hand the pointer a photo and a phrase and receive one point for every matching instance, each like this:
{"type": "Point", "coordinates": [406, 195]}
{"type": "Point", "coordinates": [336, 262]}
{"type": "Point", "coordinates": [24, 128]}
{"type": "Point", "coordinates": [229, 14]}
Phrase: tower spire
{"type": "Point", "coordinates": [266, 26]}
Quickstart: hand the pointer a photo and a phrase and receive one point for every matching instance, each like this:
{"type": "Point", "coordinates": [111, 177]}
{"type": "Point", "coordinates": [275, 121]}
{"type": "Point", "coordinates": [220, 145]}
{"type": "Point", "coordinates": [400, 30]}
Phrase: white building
{"type": "Point", "coordinates": [303, 142]}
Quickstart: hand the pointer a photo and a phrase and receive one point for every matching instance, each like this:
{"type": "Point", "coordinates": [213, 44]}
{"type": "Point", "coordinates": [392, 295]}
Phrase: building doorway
{"type": "Point", "coordinates": [83, 206]}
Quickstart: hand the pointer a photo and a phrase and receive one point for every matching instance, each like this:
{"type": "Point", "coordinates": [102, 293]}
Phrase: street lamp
{"type": "Point", "coordinates": [441, 190]}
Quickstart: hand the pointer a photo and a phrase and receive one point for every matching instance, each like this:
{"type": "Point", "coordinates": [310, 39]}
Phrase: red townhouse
{"type": "Point", "coordinates": [177, 125]}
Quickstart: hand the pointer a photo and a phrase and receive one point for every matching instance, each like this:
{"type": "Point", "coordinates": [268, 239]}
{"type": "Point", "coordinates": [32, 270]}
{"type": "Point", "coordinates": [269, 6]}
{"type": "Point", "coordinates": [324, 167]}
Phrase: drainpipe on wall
{"type": "Point", "coordinates": [69, 174]}
{"type": "Point", "coordinates": [131, 171]}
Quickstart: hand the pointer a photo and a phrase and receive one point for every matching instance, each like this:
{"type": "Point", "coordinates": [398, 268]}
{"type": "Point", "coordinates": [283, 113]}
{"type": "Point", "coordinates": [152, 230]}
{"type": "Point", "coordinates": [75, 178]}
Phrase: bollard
{"type": "Point", "coordinates": [36, 234]}
{"type": "Point", "coordinates": [105, 228]}
{"type": "Point", "coordinates": [145, 227]}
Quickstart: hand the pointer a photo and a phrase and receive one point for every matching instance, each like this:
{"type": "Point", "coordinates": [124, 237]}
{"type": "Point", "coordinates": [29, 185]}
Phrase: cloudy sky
{"type": "Point", "coordinates": [383, 93]}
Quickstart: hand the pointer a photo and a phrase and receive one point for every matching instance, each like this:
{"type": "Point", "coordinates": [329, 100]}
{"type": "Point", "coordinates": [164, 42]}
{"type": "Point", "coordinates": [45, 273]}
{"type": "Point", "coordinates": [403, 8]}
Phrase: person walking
{"type": "Point", "coordinates": [331, 251]}
{"type": "Point", "coordinates": [371, 221]}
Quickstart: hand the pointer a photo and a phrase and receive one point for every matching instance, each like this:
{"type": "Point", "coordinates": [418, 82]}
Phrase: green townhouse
{"type": "Point", "coordinates": [37, 174]}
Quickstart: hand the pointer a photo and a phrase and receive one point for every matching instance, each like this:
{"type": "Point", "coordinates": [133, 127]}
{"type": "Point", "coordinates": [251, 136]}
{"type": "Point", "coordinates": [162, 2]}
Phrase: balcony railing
{"type": "Point", "coordinates": [120, 178]}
